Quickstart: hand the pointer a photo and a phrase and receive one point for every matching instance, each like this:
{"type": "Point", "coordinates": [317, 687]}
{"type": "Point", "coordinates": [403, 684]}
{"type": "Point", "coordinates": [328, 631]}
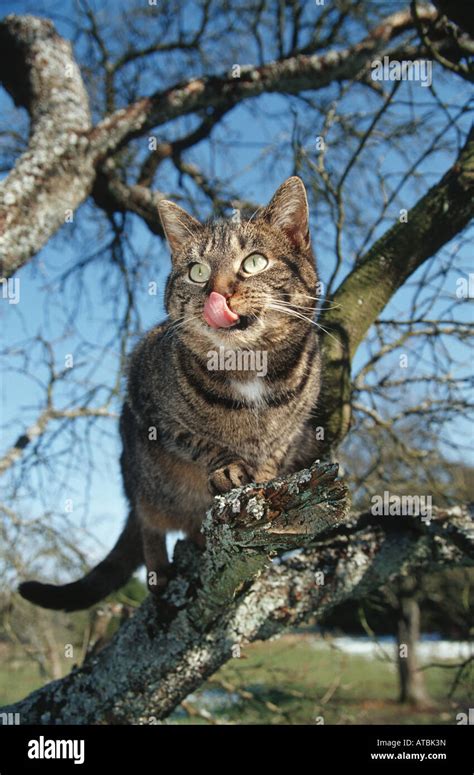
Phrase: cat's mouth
{"type": "Point", "coordinates": [218, 314]}
{"type": "Point", "coordinates": [244, 322]}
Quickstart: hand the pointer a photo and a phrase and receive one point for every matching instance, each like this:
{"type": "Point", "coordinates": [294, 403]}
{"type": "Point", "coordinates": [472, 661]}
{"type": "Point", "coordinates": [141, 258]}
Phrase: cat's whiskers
{"type": "Point", "coordinates": [290, 304]}
{"type": "Point", "coordinates": [173, 325]}
{"type": "Point", "coordinates": [246, 223]}
{"type": "Point", "coordinates": [328, 302]}
{"type": "Point", "coordinates": [180, 322]}
{"type": "Point", "coordinates": [294, 313]}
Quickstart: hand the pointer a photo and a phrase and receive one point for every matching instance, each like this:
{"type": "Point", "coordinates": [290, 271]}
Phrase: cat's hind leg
{"type": "Point", "coordinates": [158, 566]}
{"type": "Point", "coordinates": [154, 526]}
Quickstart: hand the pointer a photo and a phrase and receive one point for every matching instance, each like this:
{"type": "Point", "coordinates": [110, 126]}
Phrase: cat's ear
{"type": "Point", "coordinates": [177, 224]}
{"type": "Point", "coordinates": [288, 211]}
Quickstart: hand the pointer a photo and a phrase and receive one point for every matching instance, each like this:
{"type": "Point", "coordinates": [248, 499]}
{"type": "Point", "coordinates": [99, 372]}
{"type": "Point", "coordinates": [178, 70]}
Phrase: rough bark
{"type": "Point", "coordinates": [233, 594]}
{"type": "Point", "coordinates": [55, 173]}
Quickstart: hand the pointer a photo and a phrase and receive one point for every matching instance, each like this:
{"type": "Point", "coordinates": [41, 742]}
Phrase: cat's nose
{"type": "Point", "coordinates": [224, 286]}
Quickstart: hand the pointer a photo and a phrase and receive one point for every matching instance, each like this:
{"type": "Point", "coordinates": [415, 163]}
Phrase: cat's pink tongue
{"type": "Point", "coordinates": [217, 313]}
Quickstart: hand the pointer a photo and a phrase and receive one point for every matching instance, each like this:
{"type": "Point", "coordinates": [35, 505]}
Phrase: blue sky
{"type": "Point", "coordinates": [45, 307]}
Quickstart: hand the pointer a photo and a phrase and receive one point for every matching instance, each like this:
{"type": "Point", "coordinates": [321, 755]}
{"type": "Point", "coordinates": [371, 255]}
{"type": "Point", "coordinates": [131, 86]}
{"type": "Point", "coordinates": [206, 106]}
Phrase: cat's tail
{"type": "Point", "coordinates": [111, 574]}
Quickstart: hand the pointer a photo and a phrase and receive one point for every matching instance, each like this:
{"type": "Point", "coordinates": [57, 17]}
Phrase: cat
{"type": "Point", "coordinates": [190, 432]}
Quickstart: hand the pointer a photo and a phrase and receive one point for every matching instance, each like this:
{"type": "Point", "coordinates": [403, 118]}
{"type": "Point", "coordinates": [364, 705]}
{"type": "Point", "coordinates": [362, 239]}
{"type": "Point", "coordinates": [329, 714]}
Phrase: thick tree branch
{"type": "Point", "coordinates": [38, 69]}
{"type": "Point", "coordinates": [112, 195]}
{"type": "Point", "coordinates": [435, 219]}
{"type": "Point", "coordinates": [58, 170]}
{"type": "Point", "coordinates": [286, 76]}
{"type": "Point", "coordinates": [233, 594]}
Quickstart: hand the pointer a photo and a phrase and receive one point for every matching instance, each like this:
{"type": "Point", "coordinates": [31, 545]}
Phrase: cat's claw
{"type": "Point", "coordinates": [226, 478]}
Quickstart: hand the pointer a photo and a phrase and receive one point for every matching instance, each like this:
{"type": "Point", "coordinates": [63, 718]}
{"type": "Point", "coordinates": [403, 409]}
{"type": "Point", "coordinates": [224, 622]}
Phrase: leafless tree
{"type": "Point", "coordinates": [145, 107]}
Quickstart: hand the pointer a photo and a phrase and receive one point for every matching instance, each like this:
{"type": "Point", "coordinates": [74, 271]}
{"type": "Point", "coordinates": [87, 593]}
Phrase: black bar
{"type": "Point", "coordinates": [438, 748]}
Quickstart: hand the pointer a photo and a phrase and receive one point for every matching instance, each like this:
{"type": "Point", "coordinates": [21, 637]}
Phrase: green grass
{"type": "Point", "coordinates": [18, 678]}
{"type": "Point", "coordinates": [295, 681]}
{"type": "Point", "coordinates": [298, 679]}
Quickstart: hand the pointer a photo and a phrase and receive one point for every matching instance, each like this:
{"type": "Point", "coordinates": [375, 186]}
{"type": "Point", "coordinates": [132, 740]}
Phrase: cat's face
{"type": "Point", "coordinates": [242, 284]}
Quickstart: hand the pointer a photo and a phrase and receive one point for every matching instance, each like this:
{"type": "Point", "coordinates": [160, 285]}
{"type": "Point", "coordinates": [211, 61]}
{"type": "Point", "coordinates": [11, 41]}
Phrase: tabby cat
{"type": "Point", "coordinates": [190, 432]}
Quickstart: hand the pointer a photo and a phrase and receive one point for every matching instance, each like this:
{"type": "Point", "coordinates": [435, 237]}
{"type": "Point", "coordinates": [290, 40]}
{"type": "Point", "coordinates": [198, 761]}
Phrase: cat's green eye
{"type": "Point", "coordinates": [254, 263]}
{"type": "Point", "coordinates": [199, 273]}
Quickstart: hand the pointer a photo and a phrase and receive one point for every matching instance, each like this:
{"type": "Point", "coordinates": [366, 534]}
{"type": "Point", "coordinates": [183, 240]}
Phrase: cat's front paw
{"type": "Point", "coordinates": [233, 475]}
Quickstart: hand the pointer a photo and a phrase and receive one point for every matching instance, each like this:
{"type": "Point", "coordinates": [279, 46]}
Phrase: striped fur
{"type": "Point", "coordinates": [189, 432]}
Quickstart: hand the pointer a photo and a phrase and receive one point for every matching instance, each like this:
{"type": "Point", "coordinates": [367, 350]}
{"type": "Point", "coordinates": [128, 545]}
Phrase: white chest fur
{"type": "Point", "coordinates": [253, 391]}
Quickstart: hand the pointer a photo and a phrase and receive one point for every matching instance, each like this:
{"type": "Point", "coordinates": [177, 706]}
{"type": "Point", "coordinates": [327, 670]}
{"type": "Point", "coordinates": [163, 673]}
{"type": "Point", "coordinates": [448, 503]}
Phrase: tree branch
{"type": "Point", "coordinates": [54, 174]}
{"type": "Point", "coordinates": [285, 76]}
{"type": "Point", "coordinates": [435, 219]}
{"type": "Point", "coordinates": [57, 172]}
{"type": "Point", "coordinates": [38, 428]}
{"type": "Point", "coordinates": [113, 195]}
{"type": "Point", "coordinates": [233, 594]}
